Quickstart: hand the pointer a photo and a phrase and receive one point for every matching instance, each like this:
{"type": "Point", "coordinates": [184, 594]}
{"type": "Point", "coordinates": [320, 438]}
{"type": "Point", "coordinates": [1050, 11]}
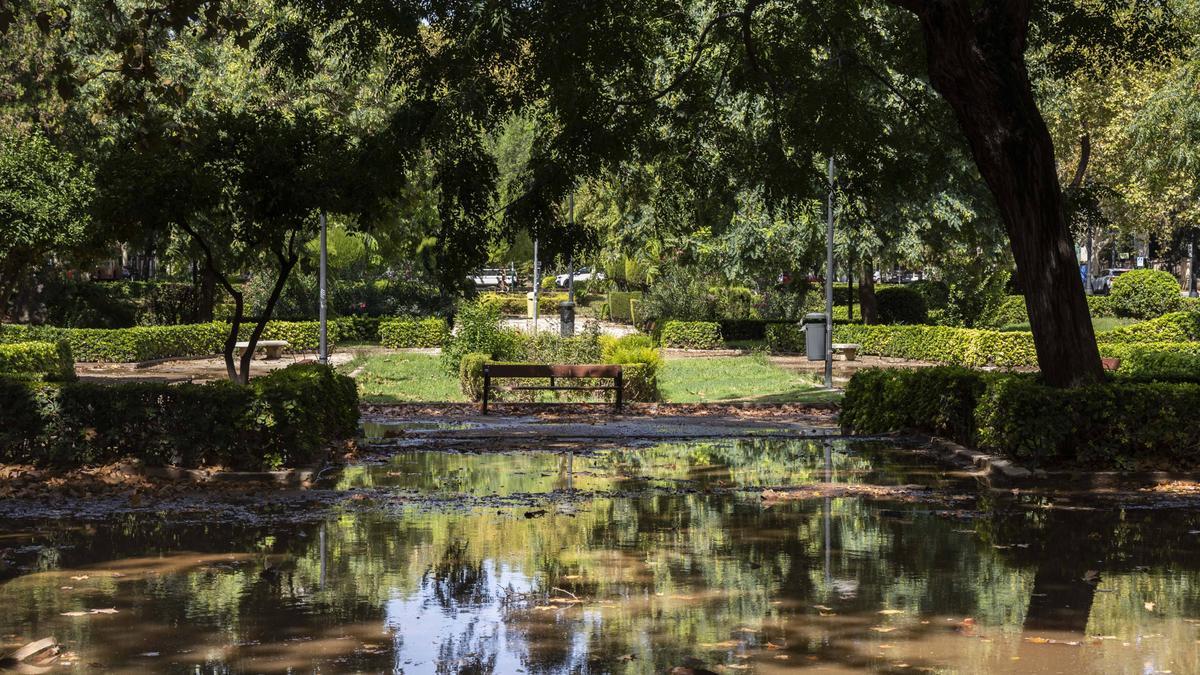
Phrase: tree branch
{"type": "Point", "coordinates": [1085, 153]}
{"type": "Point", "coordinates": [687, 71]}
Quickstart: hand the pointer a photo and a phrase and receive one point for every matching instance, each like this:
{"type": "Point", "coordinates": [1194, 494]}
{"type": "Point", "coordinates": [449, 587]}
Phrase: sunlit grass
{"type": "Point", "coordinates": [399, 378]}
{"type": "Point", "coordinates": [735, 378]}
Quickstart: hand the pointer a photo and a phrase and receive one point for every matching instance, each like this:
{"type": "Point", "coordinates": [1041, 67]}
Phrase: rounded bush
{"type": "Point", "coordinates": [899, 304]}
{"type": "Point", "coordinates": [1145, 294]}
{"type": "Point", "coordinates": [936, 293]}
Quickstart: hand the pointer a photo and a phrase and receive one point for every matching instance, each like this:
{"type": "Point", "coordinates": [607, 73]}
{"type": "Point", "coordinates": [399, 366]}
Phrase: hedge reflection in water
{"type": "Point", "coordinates": [670, 562]}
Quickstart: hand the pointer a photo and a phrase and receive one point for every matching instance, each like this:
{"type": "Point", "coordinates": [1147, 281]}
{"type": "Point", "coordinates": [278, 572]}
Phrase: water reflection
{"type": "Point", "coordinates": [639, 577]}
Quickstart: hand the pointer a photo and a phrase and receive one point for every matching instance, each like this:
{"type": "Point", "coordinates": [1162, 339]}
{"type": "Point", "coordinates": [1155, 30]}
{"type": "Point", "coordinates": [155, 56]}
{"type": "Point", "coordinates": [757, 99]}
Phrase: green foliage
{"type": "Point", "coordinates": [478, 329]}
{"type": "Point", "coordinates": [786, 338]}
{"type": "Point", "coordinates": [1174, 327]}
{"type": "Point", "coordinates": [51, 361]}
{"type": "Point", "coordinates": [942, 344]}
{"type": "Point", "coordinates": [935, 400]}
{"type": "Point", "coordinates": [1118, 424]}
{"type": "Point", "coordinates": [692, 335]}
{"type": "Point", "coordinates": [610, 345]}
{"type": "Point", "coordinates": [409, 333]}
{"type": "Point", "coordinates": [282, 419]}
{"type": "Point", "coordinates": [516, 304]}
{"type": "Point", "coordinates": [620, 305]}
{"type": "Point", "coordinates": [1009, 311]}
{"type": "Point", "coordinates": [976, 287]}
{"type": "Point", "coordinates": [470, 374]}
{"type": "Point", "coordinates": [900, 304]}
{"type": "Point", "coordinates": [126, 345]}
{"type": "Point", "coordinates": [69, 303]}
{"type": "Point", "coordinates": [300, 335]}
{"type": "Point", "coordinates": [1100, 306]}
{"type": "Point", "coordinates": [1145, 294]}
{"type": "Point", "coordinates": [935, 293]}
{"type": "Point", "coordinates": [547, 347]}
{"type": "Point", "coordinates": [1160, 365]}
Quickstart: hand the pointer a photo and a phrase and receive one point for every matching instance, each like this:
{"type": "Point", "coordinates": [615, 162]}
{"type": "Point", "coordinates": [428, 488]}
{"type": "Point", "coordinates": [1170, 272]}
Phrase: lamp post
{"type": "Point", "coordinates": [829, 285]}
{"type": "Point", "coordinates": [324, 339]}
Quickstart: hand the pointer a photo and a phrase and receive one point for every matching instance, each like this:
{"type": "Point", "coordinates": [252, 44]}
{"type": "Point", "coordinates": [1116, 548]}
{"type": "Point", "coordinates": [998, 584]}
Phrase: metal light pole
{"type": "Point", "coordinates": [324, 341]}
{"type": "Point", "coordinates": [829, 286]}
{"type": "Point", "coordinates": [536, 284]}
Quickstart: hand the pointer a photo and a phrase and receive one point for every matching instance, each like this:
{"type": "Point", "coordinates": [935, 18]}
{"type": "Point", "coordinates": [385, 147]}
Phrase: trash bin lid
{"type": "Point", "coordinates": [814, 317]}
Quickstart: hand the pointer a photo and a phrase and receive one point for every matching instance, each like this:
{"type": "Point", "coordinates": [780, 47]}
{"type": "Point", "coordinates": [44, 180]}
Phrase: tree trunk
{"type": "Point", "coordinates": [866, 292]}
{"type": "Point", "coordinates": [285, 268]}
{"type": "Point", "coordinates": [206, 299]}
{"type": "Point", "coordinates": [977, 63]}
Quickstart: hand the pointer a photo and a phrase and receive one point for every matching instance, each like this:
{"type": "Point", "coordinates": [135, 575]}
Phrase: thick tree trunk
{"type": "Point", "coordinates": [206, 299]}
{"type": "Point", "coordinates": [977, 63]}
{"type": "Point", "coordinates": [285, 268]}
{"type": "Point", "coordinates": [866, 292]}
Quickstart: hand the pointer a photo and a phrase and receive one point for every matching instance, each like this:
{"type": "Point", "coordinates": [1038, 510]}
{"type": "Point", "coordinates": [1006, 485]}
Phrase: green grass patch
{"type": "Point", "coordinates": [402, 378]}
{"type": "Point", "coordinates": [1099, 324]}
{"type": "Point", "coordinates": [735, 378]}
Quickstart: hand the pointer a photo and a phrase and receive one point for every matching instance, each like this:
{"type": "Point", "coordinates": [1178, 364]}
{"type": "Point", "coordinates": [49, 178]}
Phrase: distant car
{"type": "Point", "coordinates": [1103, 283]}
{"type": "Point", "coordinates": [581, 274]}
{"type": "Point", "coordinates": [488, 278]}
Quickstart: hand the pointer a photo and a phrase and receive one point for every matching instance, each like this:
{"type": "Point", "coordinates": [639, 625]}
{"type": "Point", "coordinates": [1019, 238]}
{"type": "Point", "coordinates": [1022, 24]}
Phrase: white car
{"type": "Point", "coordinates": [1102, 284]}
{"type": "Point", "coordinates": [581, 274]}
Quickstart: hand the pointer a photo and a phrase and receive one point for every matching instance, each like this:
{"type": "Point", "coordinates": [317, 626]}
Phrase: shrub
{"type": "Point", "coordinates": [621, 305]}
{"type": "Point", "coordinates": [1100, 306]}
{"type": "Point", "coordinates": [282, 419]}
{"type": "Point", "coordinates": [899, 304]}
{"type": "Point", "coordinates": [942, 344]}
{"type": "Point", "coordinates": [125, 345]}
{"type": "Point", "coordinates": [48, 360]}
{"type": "Point", "coordinates": [1117, 424]}
{"type": "Point", "coordinates": [358, 328]}
{"type": "Point", "coordinates": [470, 374]}
{"type": "Point", "coordinates": [1145, 294]}
{"type": "Point", "coordinates": [935, 293]}
{"type": "Point", "coordinates": [1174, 327]}
{"type": "Point", "coordinates": [515, 304]}
{"type": "Point", "coordinates": [786, 338]}
{"type": "Point", "coordinates": [609, 344]}
{"type": "Point", "coordinates": [409, 333]}
{"type": "Point", "coordinates": [478, 330]}
{"type": "Point", "coordinates": [546, 347]}
{"type": "Point", "coordinates": [1010, 311]}
{"type": "Point", "coordinates": [692, 335]}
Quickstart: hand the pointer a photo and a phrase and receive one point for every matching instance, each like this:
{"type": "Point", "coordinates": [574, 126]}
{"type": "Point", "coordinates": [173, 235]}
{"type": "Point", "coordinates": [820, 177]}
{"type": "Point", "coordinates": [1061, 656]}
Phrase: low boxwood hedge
{"type": "Point", "coordinates": [1121, 423]}
{"type": "Point", "coordinates": [786, 338]}
{"type": "Point", "coordinates": [46, 360]}
{"type": "Point", "coordinates": [942, 344]}
{"type": "Point", "coordinates": [412, 333]}
{"type": "Point", "coordinates": [692, 335]}
{"type": "Point", "coordinates": [282, 419]}
{"type": "Point", "coordinates": [1173, 327]}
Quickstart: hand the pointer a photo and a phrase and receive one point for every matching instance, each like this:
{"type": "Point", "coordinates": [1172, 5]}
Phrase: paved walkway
{"type": "Point", "coordinates": [189, 370]}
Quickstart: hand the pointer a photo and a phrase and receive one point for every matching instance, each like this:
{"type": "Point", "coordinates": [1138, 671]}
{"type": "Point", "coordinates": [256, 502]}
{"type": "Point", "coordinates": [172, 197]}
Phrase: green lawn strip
{"type": "Point", "coordinates": [735, 378]}
{"type": "Point", "coordinates": [400, 378]}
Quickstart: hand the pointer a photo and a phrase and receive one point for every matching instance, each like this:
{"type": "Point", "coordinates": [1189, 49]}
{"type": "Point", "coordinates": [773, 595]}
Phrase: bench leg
{"type": "Point", "coordinates": [487, 384]}
{"type": "Point", "coordinates": [620, 392]}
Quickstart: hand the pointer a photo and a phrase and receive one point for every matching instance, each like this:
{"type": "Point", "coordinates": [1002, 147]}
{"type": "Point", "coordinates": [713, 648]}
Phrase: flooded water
{"type": "Point", "coordinates": [627, 560]}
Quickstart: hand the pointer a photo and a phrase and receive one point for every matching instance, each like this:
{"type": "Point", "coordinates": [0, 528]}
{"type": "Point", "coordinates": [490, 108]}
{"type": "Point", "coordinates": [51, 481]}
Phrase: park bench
{"type": "Point", "coordinates": [274, 348]}
{"type": "Point", "coordinates": [553, 372]}
{"type": "Point", "coordinates": [847, 350]}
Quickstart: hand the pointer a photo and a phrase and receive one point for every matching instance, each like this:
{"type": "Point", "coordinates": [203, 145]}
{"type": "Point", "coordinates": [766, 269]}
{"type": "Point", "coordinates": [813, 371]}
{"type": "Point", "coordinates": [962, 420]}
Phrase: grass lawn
{"type": "Point", "coordinates": [735, 378]}
{"type": "Point", "coordinates": [1099, 324]}
{"type": "Point", "coordinates": [399, 378]}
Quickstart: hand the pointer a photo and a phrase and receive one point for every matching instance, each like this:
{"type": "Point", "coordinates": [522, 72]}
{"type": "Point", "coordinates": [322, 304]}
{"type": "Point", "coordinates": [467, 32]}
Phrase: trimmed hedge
{"type": "Point", "coordinates": [1174, 327]}
{"type": "Point", "coordinates": [942, 344]}
{"type": "Point", "coordinates": [786, 338]}
{"type": "Point", "coordinates": [900, 304]}
{"type": "Point", "coordinates": [515, 304]}
{"type": "Point", "coordinates": [692, 335]}
{"type": "Point", "coordinates": [48, 360]}
{"type": "Point", "coordinates": [124, 345]}
{"type": "Point", "coordinates": [1143, 294]}
{"type": "Point", "coordinates": [411, 333]}
{"type": "Point", "coordinates": [621, 305]}
{"type": "Point", "coordinates": [1117, 424]}
{"type": "Point", "coordinates": [282, 419]}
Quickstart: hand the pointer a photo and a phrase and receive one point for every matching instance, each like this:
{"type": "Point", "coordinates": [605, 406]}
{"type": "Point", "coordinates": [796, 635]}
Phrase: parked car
{"type": "Point", "coordinates": [581, 274]}
{"type": "Point", "coordinates": [1102, 284]}
{"type": "Point", "coordinates": [489, 278]}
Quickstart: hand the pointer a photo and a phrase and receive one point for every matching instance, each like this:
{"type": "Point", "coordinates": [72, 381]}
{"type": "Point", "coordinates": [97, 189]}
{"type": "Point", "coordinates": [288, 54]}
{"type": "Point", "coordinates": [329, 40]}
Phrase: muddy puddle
{"type": "Point", "coordinates": [635, 559]}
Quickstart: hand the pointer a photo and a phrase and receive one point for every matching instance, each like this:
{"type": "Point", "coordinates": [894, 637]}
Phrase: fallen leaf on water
{"type": "Point", "coordinates": [1037, 640]}
{"type": "Point", "coordinates": [543, 608]}
{"type": "Point", "coordinates": [1149, 606]}
{"type": "Point", "coordinates": [782, 657]}
{"type": "Point", "coordinates": [108, 610]}
{"type": "Point", "coordinates": [883, 629]}
{"type": "Point", "coordinates": [148, 654]}
{"type": "Point", "coordinates": [827, 613]}
{"type": "Point", "coordinates": [573, 576]}
{"type": "Point", "coordinates": [66, 588]}
{"type": "Point", "coordinates": [723, 645]}
{"type": "Point", "coordinates": [890, 611]}
{"type": "Point", "coordinates": [74, 614]}
{"type": "Point", "coordinates": [738, 666]}
{"type": "Point", "coordinates": [823, 608]}
{"type": "Point", "coordinates": [1091, 576]}
{"type": "Point", "coordinates": [887, 646]}
{"type": "Point", "coordinates": [81, 577]}
{"type": "Point", "coordinates": [772, 645]}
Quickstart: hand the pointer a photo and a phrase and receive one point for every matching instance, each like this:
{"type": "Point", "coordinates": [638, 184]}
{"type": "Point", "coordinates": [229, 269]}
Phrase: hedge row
{"type": "Point", "coordinates": [516, 304]}
{"type": "Point", "coordinates": [146, 343]}
{"type": "Point", "coordinates": [621, 305]}
{"type": "Point", "coordinates": [282, 419]}
{"type": "Point", "coordinates": [1174, 327]}
{"type": "Point", "coordinates": [1117, 424]}
{"type": "Point", "coordinates": [411, 333]}
{"type": "Point", "coordinates": [46, 360]}
{"type": "Point", "coordinates": [942, 344]}
{"type": "Point", "coordinates": [692, 335]}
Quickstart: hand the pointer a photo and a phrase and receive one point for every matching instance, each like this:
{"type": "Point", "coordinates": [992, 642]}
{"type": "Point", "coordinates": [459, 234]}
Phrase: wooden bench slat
{"type": "Point", "coordinates": [551, 370]}
{"type": "Point", "coordinates": [605, 387]}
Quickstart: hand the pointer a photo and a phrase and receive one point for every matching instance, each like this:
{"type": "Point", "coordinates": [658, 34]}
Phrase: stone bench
{"type": "Point", "coordinates": [273, 348]}
{"type": "Point", "coordinates": [847, 350]}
